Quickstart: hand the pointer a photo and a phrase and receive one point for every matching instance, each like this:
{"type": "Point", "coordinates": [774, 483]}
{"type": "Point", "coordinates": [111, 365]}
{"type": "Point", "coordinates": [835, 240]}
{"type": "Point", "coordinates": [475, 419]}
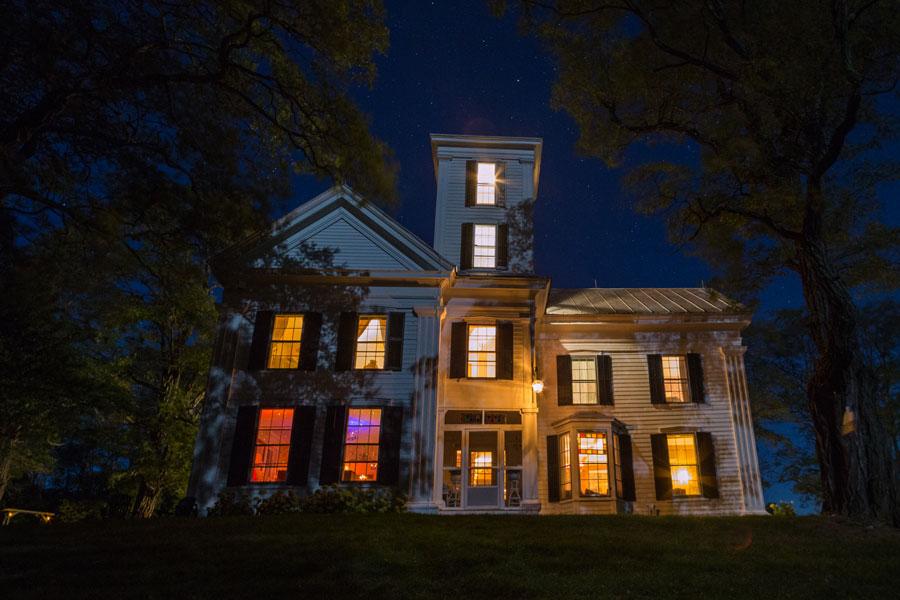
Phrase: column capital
{"type": "Point", "coordinates": [732, 351]}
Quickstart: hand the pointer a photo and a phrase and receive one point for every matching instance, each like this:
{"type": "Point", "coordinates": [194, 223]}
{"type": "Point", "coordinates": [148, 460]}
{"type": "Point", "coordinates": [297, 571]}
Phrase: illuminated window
{"type": "Point", "coordinates": [487, 180]}
{"type": "Point", "coordinates": [481, 468]}
{"type": "Point", "coordinates": [370, 336]}
{"type": "Point", "coordinates": [593, 467]}
{"type": "Point", "coordinates": [675, 378]}
{"type": "Point", "coordinates": [273, 444]}
{"type": "Point", "coordinates": [683, 464]}
{"type": "Point", "coordinates": [584, 381]}
{"type": "Point", "coordinates": [565, 467]}
{"type": "Point", "coordinates": [617, 463]}
{"type": "Point", "coordinates": [482, 359]}
{"type": "Point", "coordinates": [284, 349]}
{"type": "Point", "coordinates": [361, 444]}
{"type": "Point", "coordinates": [484, 253]}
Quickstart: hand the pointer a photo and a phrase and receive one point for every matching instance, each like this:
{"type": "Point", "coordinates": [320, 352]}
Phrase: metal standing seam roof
{"type": "Point", "coordinates": [640, 301]}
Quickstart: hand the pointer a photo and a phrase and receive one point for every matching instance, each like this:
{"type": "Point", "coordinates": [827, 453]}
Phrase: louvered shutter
{"type": "Point", "coordinates": [301, 444]}
{"type": "Point", "coordinates": [662, 475]}
{"type": "Point", "coordinates": [466, 246]}
{"type": "Point", "coordinates": [458, 351]}
{"type": "Point", "coordinates": [564, 380]}
{"type": "Point", "coordinates": [389, 445]}
{"type": "Point", "coordinates": [394, 349]}
{"type": "Point", "coordinates": [502, 246]}
{"type": "Point", "coordinates": [346, 346]}
{"type": "Point", "coordinates": [604, 379]}
{"type": "Point", "coordinates": [504, 350]}
{"type": "Point", "coordinates": [500, 183]}
{"type": "Point", "coordinates": [333, 445]}
{"type": "Point", "coordinates": [242, 445]}
{"type": "Point", "coordinates": [259, 346]}
{"type": "Point", "coordinates": [552, 468]}
{"type": "Point", "coordinates": [309, 341]}
{"type": "Point", "coordinates": [626, 459]}
{"type": "Point", "coordinates": [471, 182]}
{"type": "Point", "coordinates": [695, 377]}
{"type": "Point", "coordinates": [708, 482]}
{"type": "Point", "coordinates": [655, 370]}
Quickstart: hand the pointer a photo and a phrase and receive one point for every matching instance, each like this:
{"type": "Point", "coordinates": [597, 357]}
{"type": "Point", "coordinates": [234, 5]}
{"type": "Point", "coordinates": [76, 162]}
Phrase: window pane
{"type": "Point", "coordinates": [584, 381]}
{"type": "Point", "coordinates": [284, 348]}
{"type": "Point", "coordinates": [485, 246]}
{"type": "Point", "coordinates": [675, 378]}
{"type": "Point", "coordinates": [370, 338]}
{"type": "Point", "coordinates": [273, 443]}
{"type": "Point", "coordinates": [361, 444]}
{"type": "Point", "coordinates": [482, 356]}
{"type": "Point", "coordinates": [683, 465]}
{"type": "Point", "coordinates": [486, 183]}
{"type": "Point", "coordinates": [565, 468]}
{"type": "Point", "coordinates": [482, 458]}
{"type": "Point", "coordinates": [593, 468]}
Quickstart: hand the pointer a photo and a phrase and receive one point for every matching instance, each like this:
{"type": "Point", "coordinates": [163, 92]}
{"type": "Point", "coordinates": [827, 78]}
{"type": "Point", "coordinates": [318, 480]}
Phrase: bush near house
{"type": "Point", "coordinates": [417, 556]}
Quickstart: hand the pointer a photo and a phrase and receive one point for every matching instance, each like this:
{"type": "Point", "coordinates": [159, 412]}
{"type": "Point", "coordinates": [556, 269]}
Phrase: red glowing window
{"type": "Point", "coordinates": [273, 444]}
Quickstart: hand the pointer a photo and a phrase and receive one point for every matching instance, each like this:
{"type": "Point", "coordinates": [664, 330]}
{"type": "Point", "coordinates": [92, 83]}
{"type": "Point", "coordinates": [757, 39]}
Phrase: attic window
{"type": "Point", "coordinates": [487, 180]}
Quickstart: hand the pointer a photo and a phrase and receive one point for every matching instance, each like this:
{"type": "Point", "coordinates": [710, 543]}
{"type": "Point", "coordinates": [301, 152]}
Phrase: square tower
{"type": "Point", "coordinates": [486, 189]}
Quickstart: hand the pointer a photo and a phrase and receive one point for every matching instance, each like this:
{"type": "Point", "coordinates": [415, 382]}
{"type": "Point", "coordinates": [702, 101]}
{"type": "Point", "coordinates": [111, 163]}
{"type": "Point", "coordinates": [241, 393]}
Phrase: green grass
{"type": "Point", "coordinates": [414, 556]}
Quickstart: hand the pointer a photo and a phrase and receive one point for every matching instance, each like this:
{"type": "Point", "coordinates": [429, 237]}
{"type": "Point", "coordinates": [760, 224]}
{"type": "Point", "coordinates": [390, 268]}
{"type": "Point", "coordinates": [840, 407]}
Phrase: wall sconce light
{"type": "Point", "coordinates": [538, 386]}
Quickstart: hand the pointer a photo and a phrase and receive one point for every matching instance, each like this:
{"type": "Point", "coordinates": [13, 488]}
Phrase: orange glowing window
{"type": "Point", "coordinates": [593, 464]}
{"type": "Point", "coordinates": [683, 464]}
{"type": "Point", "coordinates": [361, 444]}
{"type": "Point", "coordinates": [284, 348]}
{"type": "Point", "coordinates": [481, 469]}
{"type": "Point", "coordinates": [273, 444]}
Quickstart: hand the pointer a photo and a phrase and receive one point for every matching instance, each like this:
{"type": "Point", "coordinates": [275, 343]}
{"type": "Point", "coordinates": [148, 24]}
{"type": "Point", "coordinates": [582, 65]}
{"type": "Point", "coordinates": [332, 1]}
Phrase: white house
{"type": "Point", "coordinates": [350, 352]}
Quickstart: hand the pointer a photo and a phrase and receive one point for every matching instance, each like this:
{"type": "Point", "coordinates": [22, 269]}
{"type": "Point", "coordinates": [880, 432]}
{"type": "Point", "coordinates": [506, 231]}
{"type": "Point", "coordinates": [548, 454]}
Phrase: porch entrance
{"type": "Point", "coordinates": [482, 462]}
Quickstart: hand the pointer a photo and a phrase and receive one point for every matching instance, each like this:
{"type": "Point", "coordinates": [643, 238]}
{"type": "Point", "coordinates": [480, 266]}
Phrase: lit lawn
{"type": "Point", "coordinates": [411, 556]}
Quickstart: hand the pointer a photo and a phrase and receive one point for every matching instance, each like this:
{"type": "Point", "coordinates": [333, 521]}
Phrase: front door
{"type": "Point", "coordinates": [482, 468]}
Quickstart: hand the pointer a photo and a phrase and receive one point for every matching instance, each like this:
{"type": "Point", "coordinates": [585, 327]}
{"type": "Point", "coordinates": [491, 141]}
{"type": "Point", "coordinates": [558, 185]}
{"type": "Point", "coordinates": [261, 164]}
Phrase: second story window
{"type": "Point", "coordinates": [482, 351]}
{"type": "Point", "coordinates": [370, 340]}
{"type": "Point", "coordinates": [484, 252]}
{"type": "Point", "coordinates": [675, 379]}
{"type": "Point", "coordinates": [584, 380]}
{"type": "Point", "coordinates": [284, 347]}
{"type": "Point", "coordinates": [487, 183]}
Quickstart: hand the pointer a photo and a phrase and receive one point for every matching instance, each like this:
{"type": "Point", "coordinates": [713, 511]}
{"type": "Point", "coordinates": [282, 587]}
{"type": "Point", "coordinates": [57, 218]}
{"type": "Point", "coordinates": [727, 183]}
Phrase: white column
{"type": "Point", "coordinates": [424, 410]}
{"type": "Point", "coordinates": [742, 427]}
{"type": "Point", "coordinates": [530, 500]}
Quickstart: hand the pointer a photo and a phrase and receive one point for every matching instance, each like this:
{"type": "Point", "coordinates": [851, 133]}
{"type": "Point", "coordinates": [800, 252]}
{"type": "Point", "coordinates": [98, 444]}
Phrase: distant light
{"type": "Point", "coordinates": [537, 386]}
{"type": "Point", "coordinates": [682, 477]}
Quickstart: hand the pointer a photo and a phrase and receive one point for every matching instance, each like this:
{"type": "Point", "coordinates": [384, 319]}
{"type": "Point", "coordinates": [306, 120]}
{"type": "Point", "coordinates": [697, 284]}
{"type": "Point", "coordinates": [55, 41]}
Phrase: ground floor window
{"type": "Point", "coordinates": [273, 445]}
{"type": "Point", "coordinates": [361, 444]}
{"type": "Point", "coordinates": [565, 467]}
{"type": "Point", "coordinates": [683, 464]}
{"type": "Point", "coordinates": [593, 464]}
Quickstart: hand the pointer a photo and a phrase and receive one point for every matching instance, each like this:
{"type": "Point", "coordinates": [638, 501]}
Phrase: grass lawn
{"type": "Point", "coordinates": [414, 556]}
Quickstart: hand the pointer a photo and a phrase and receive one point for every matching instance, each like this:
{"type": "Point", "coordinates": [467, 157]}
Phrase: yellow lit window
{"type": "Point", "coordinates": [487, 180]}
{"type": "Point", "coordinates": [370, 336]}
{"type": "Point", "coordinates": [675, 378]}
{"type": "Point", "coordinates": [593, 467]}
{"type": "Point", "coordinates": [584, 381]}
{"type": "Point", "coordinates": [683, 464]}
{"type": "Point", "coordinates": [284, 348]}
{"type": "Point", "coordinates": [565, 467]}
{"type": "Point", "coordinates": [361, 444]}
{"type": "Point", "coordinates": [481, 469]}
{"type": "Point", "coordinates": [273, 444]}
{"type": "Point", "coordinates": [484, 253]}
{"type": "Point", "coordinates": [482, 356]}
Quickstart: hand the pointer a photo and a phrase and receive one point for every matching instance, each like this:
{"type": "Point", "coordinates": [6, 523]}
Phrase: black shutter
{"type": "Point", "coordinates": [604, 379]}
{"type": "Point", "coordinates": [301, 444]}
{"type": "Point", "coordinates": [393, 360]}
{"type": "Point", "coordinates": [242, 445]}
{"type": "Point", "coordinates": [502, 246]}
{"type": "Point", "coordinates": [500, 185]}
{"type": "Point", "coordinates": [662, 475]}
{"type": "Point", "coordinates": [708, 482]}
{"type": "Point", "coordinates": [389, 445]}
{"type": "Point", "coordinates": [657, 389]}
{"type": "Point", "coordinates": [552, 468]}
{"type": "Point", "coordinates": [466, 246]}
{"type": "Point", "coordinates": [564, 380]}
{"type": "Point", "coordinates": [458, 351]}
{"type": "Point", "coordinates": [346, 345]}
{"type": "Point", "coordinates": [259, 347]}
{"type": "Point", "coordinates": [471, 182]}
{"type": "Point", "coordinates": [504, 350]}
{"type": "Point", "coordinates": [309, 341]}
{"type": "Point", "coordinates": [332, 445]}
{"type": "Point", "coordinates": [695, 377]}
{"type": "Point", "coordinates": [626, 459]}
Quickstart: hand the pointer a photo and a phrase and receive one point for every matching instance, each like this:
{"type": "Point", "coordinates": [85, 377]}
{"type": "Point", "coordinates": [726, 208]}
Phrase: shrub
{"type": "Point", "coordinates": [279, 503]}
{"type": "Point", "coordinates": [781, 509]}
{"type": "Point", "coordinates": [73, 511]}
{"type": "Point", "coordinates": [335, 499]}
{"type": "Point", "coordinates": [231, 504]}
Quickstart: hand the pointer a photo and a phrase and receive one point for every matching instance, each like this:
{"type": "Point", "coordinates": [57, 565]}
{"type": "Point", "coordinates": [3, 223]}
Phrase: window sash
{"type": "Point", "coordinates": [565, 467]}
{"type": "Point", "coordinates": [593, 464]}
{"type": "Point", "coordinates": [481, 359]}
{"type": "Point", "coordinates": [361, 445]}
{"type": "Point", "coordinates": [284, 343]}
{"type": "Point", "coordinates": [486, 192]}
{"type": "Point", "coordinates": [675, 379]}
{"type": "Point", "coordinates": [584, 380]}
{"type": "Point", "coordinates": [683, 464]}
{"type": "Point", "coordinates": [484, 246]}
{"type": "Point", "coordinates": [371, 334]}
{"type": "Point", "coordinates": [272, 447]}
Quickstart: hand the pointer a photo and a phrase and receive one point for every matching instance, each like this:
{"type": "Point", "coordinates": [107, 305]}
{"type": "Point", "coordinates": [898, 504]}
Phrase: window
{"type": "Point", "coordinates": [482, 355]}
{"type": "Point", "coordinates": [593, 467]}
{"type": "Point", "coordinates": [284, 348]}
{"type": "Point", "coordinates": [484, 254]}
{"type": "Point", "coordinates": [584, 381]}
{"type": "Point", "coordinates": [481, 469]}
{"type": "Point", "coordinates": [487, 180]}
{"type": "Point", "coordinates": [370, 336]}
{"type": "Point", "coordinates": [683, 464]}
{"type": "Point", "coordinates": [675, 379]}
{"type": "Point", "coordinates": [617, 463]}
{"type": "Point", "coordinates": [565, 468]}
{"type": "Point", "coordinates": [273, 444]}
{"type": "Point", "coordinates": [361, 444]}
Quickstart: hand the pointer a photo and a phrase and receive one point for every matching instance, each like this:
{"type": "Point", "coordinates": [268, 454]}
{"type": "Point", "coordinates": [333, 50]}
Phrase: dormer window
{"type": "Point", "coordinates": [484, 250]}
{"type": "Point", "coordinates": [487, 184]}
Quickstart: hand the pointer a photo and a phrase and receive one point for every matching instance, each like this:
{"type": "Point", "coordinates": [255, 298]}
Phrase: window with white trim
{"type": "Point", "coordinates": [484, 250]}
{"type": "Point", "coordinates": [370, 338]}
{"type": "Point", "coordinates": [593, 464]}
{"type": "Point", "coordinates": [482, 351]}
{"type": "Point", "coordinates": [683, 464]}
{"type": "Point", "coordinates": [584, 380]}
{"type": "Point", "coordinates": [675, 379]}
{"type": "Point", "coordinates": [487, 184]}
{"type": "Point", "coordinates": [565, 468]}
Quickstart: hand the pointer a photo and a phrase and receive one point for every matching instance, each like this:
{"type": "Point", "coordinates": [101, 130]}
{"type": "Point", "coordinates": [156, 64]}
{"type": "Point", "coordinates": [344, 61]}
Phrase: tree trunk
{"type": "Point", "coordinates": [6, 445]}
{"type": "Point", "coordinates": [854, 452]}
{"type": "Point", "coordinates": [146, 500]}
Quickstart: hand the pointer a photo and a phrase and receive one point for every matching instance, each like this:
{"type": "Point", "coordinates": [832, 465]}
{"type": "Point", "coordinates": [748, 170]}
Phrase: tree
{"type": "Point", "coordinates": [778, 109]}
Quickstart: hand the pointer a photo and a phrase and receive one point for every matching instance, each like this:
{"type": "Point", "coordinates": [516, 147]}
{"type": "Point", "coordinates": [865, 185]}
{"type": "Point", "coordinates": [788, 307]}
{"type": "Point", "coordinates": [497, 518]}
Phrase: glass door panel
{"type": "Point", "coordinates": [512, 461]}
{"type": "Point", "coordinates": [482, 469]}
{"type": "Point", "coordinates": [452, 486]}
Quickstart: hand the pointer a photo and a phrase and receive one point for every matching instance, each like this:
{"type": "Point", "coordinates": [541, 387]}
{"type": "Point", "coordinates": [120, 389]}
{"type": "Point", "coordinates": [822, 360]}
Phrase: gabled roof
{"type": "Point", "coordinates": [640, 301]}
{"type": "Point", "coordinates": [368, 238]}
